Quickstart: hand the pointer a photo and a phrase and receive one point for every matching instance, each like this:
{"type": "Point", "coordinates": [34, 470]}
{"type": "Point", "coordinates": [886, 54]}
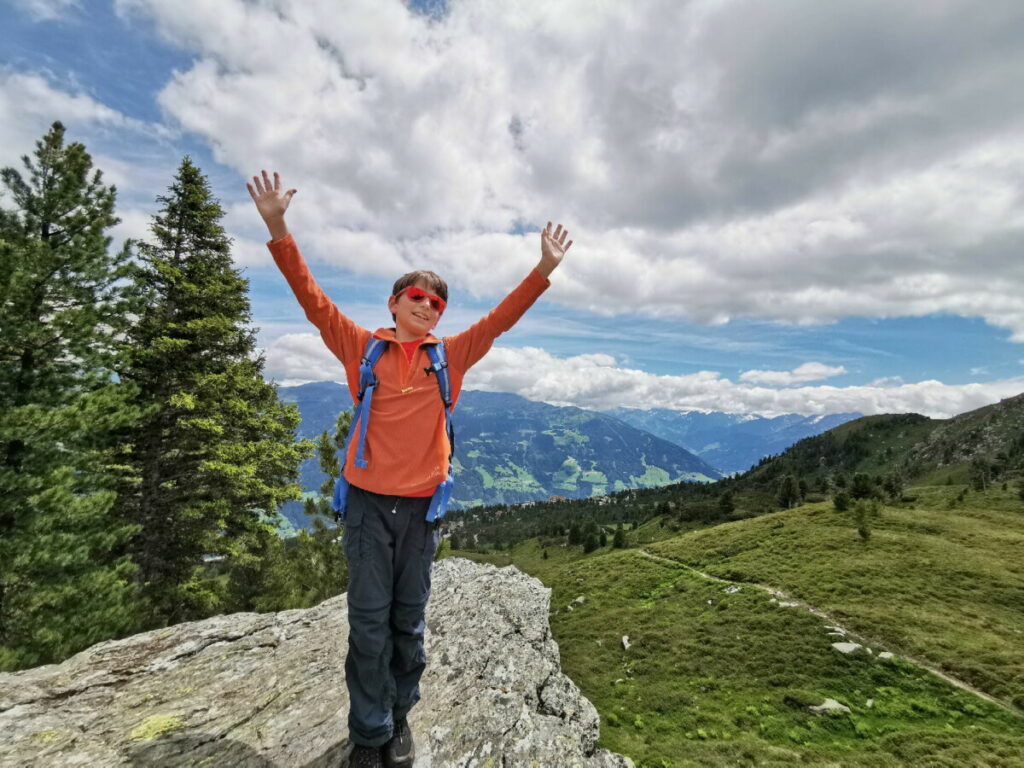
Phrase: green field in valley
{"type": "Point", "coordinates": [719, 677]}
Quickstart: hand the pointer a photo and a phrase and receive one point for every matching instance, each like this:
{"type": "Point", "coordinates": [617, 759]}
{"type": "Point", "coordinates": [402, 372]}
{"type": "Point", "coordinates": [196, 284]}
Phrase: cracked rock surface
{"type": "Point", "coordinates": [268, 690]}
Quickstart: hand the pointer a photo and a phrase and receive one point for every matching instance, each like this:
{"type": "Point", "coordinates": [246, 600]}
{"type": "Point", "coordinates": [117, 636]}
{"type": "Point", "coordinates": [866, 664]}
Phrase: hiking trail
{"type": "Point", "coordinates": [873, 643]}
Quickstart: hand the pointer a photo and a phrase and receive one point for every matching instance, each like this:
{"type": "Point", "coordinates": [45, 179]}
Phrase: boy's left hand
{"type": "Point", "coordinates": [552, 248]}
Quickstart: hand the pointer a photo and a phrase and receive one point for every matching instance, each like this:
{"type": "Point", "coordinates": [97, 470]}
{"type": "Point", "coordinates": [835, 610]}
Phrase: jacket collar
{"type": "Point", "coordinates": [389, 334]}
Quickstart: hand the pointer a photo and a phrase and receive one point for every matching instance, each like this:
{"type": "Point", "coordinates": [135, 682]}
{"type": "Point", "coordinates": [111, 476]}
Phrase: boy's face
{"type": "Point", "coordinates": [416, 318]}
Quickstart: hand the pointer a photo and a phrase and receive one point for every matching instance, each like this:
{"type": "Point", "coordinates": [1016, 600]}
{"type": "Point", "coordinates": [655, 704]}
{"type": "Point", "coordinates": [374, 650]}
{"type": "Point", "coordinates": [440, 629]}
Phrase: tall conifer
{"type": "Point", "coordinates": [217, 456]}
{"type": "Point", "coordinates": [64, 303]}
{"type": "Point", "coordinates": [317, 558]}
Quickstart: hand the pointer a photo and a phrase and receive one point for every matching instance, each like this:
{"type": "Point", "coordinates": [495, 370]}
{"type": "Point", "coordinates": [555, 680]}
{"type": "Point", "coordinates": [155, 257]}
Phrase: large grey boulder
{"type": "Point", "coordinates": [830, 706]}
{"type": "Point", "coordinates": [268, 690]}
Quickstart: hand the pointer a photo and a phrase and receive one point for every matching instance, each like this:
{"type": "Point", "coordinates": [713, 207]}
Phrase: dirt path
{"type": "Point", "coordinates": [873, 643]}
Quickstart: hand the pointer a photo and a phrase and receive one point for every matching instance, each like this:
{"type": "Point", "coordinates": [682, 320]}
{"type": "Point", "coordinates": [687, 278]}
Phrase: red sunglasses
{"type": "Point", "coordinates": [418, 294]}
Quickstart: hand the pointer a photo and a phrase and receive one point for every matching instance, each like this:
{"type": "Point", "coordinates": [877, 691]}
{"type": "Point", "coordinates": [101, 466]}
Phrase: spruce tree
{"type": "Point", "coordinates": [862, 487]}
{"type": "Point", "coordinates": [318, 560]}
{"type": "Point", "coordinates": [575, 535]}
{"type": "Point", "coordinates": [726, 504]}
{"type": "Point", "coordinates": [266, 581]}
{"type": "Point", "coordinates": [789, 492]}
{"type": "Point", "coordinates": [216, 456]}
{"type": "Point", "coordinates": [64, 579]}
{"type": "Point", "coordinates": [327, 449]}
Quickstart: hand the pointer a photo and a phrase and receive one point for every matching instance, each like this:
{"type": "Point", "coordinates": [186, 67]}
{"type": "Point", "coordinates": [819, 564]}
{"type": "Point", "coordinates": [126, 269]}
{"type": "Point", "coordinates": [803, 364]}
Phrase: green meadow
{"type": "Point", "coordinates": [726, 678]}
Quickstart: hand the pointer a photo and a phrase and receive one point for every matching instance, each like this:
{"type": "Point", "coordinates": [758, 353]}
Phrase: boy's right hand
{"type": "Point", "coordinates": [270, 202]}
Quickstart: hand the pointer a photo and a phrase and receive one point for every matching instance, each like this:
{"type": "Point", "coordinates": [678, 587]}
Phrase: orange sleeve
{"type": "Point", "coordinates": [342, 336]}
{"type": "Point", "coordinates": [465, 349]}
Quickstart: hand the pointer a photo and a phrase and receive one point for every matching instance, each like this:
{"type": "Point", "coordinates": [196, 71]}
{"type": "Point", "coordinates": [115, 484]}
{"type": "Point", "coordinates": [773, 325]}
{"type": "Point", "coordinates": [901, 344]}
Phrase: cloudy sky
{"type": "Point", "coordinates": [777, 207]}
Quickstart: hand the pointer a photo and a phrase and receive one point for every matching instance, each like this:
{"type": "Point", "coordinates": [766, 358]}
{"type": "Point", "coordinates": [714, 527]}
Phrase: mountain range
{"type": "Point", "coordinates": [512, 450]}
{"type": "Point", "coordinates": [727, 441]}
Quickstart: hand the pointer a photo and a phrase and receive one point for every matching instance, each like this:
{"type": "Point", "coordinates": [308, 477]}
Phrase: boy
{"type": "Point", "coordinates": [388, 542]}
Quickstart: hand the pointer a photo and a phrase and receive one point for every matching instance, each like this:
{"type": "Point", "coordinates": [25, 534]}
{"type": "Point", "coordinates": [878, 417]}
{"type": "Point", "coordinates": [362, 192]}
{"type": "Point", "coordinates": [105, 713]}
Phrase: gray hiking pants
{"type": "Point", "coordinates": [390, 549]}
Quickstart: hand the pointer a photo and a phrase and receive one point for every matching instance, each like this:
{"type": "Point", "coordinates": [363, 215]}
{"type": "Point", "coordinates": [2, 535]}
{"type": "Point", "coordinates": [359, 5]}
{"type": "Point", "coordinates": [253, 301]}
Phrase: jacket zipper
{"type": "Point", "coordinates": [408, 369]}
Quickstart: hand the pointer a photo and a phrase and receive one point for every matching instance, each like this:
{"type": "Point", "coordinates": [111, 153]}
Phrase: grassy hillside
{"type": "Point", "coordinates": [979, 446]}
{"type": "Point", "coordinates": [939, 579]}
{"type": "Point", "coordinates": [875, 445]}
{"type": "Point", "coordinates": [726, 678]}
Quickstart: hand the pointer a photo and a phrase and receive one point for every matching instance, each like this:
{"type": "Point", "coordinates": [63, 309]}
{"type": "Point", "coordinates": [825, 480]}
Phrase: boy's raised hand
{"type": "Point", "coordinates": [552, 248]}
{"type": "Point", "coordinates": [270, 202]}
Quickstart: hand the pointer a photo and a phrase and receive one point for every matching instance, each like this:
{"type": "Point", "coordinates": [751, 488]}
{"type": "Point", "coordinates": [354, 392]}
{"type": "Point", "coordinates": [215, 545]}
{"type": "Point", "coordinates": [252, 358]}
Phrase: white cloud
{"type": "Point", "coordinates": [47, 10]}
{"type": "Point", "coordinates": [704, 171]}
{"type": "Point", "coordinates": [888, 381]}
{"type": "Point", "coordinates": [134, 224]}
{"type": "Point", "coordinates": [30, 104]}
{"type": "Point", "coordinates": [799, 375]}
{"type": "Point", "coordinates": [295, 358]}
{"type": "Point", "coordinates": [593, 381]}
{"type": "Point", "coordinates": [135, 156]}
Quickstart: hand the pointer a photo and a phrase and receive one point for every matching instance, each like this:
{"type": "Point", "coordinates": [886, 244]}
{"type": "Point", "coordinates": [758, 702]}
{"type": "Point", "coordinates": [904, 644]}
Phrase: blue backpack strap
{"type": "Point", "coordinates": [439, 365]}
{"type": "Point", "coordinates": [360, 420]}
{"type": "Point", "coordinates": [367, 384]}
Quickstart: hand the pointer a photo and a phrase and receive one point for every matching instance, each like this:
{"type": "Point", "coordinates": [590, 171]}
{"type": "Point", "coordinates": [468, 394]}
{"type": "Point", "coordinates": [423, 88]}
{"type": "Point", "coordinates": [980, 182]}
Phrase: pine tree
{"type": "Point", "coordinates": [893, 484]}
{"type": "Point", "coordinates": [263, 580]}
{"type": "Point", "coordinates": [619, 540]}
{"type": "Point", "coordinates": [789, 492]}
{"type": "Point", "coordinates": [575, 535]}
{"type": "Point", "coordinates": [979, 473]}
{"type": "Point", "coordinates": [216, 455]}
{"type": "Point", "coordinates": [726, 504]}
{"type": "Point", "coordinates": [863, 511]}
{"type": "Point", "coordinates": [327, 449]}
{"type": "Point", "coordinates": [64, 579]}
{"type": "Point", "coordinates": [862, 487]}
{"type": "Point", "coordinates": [318, 559]}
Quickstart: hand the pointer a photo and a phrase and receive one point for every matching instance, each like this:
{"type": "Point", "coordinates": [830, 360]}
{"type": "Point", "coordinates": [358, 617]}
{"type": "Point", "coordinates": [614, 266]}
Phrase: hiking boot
{"type": "Point", "coordinates": [365, 757]}
{"type": "Point", "coordinates": [400, 751]}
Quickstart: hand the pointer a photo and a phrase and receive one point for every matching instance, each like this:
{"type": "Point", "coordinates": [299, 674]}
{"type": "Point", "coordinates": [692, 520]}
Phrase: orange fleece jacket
{"type": "Point", "coordinates": [406, 446]}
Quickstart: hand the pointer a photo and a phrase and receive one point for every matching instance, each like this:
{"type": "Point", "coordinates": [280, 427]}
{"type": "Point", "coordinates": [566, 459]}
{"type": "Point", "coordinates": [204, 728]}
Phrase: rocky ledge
{"type": "Point", "coordinates": [268, 690]}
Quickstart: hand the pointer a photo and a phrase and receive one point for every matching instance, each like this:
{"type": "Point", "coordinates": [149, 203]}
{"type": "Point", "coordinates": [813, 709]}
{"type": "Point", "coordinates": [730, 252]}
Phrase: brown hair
{"type": "Point", "coordinates": [432, 279]}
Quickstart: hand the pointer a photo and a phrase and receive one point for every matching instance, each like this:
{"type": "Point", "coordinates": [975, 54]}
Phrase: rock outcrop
{"type": "Point", "coordinates": [268, 690]}
{"type": "Point", "coordinates": [830, 706]}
